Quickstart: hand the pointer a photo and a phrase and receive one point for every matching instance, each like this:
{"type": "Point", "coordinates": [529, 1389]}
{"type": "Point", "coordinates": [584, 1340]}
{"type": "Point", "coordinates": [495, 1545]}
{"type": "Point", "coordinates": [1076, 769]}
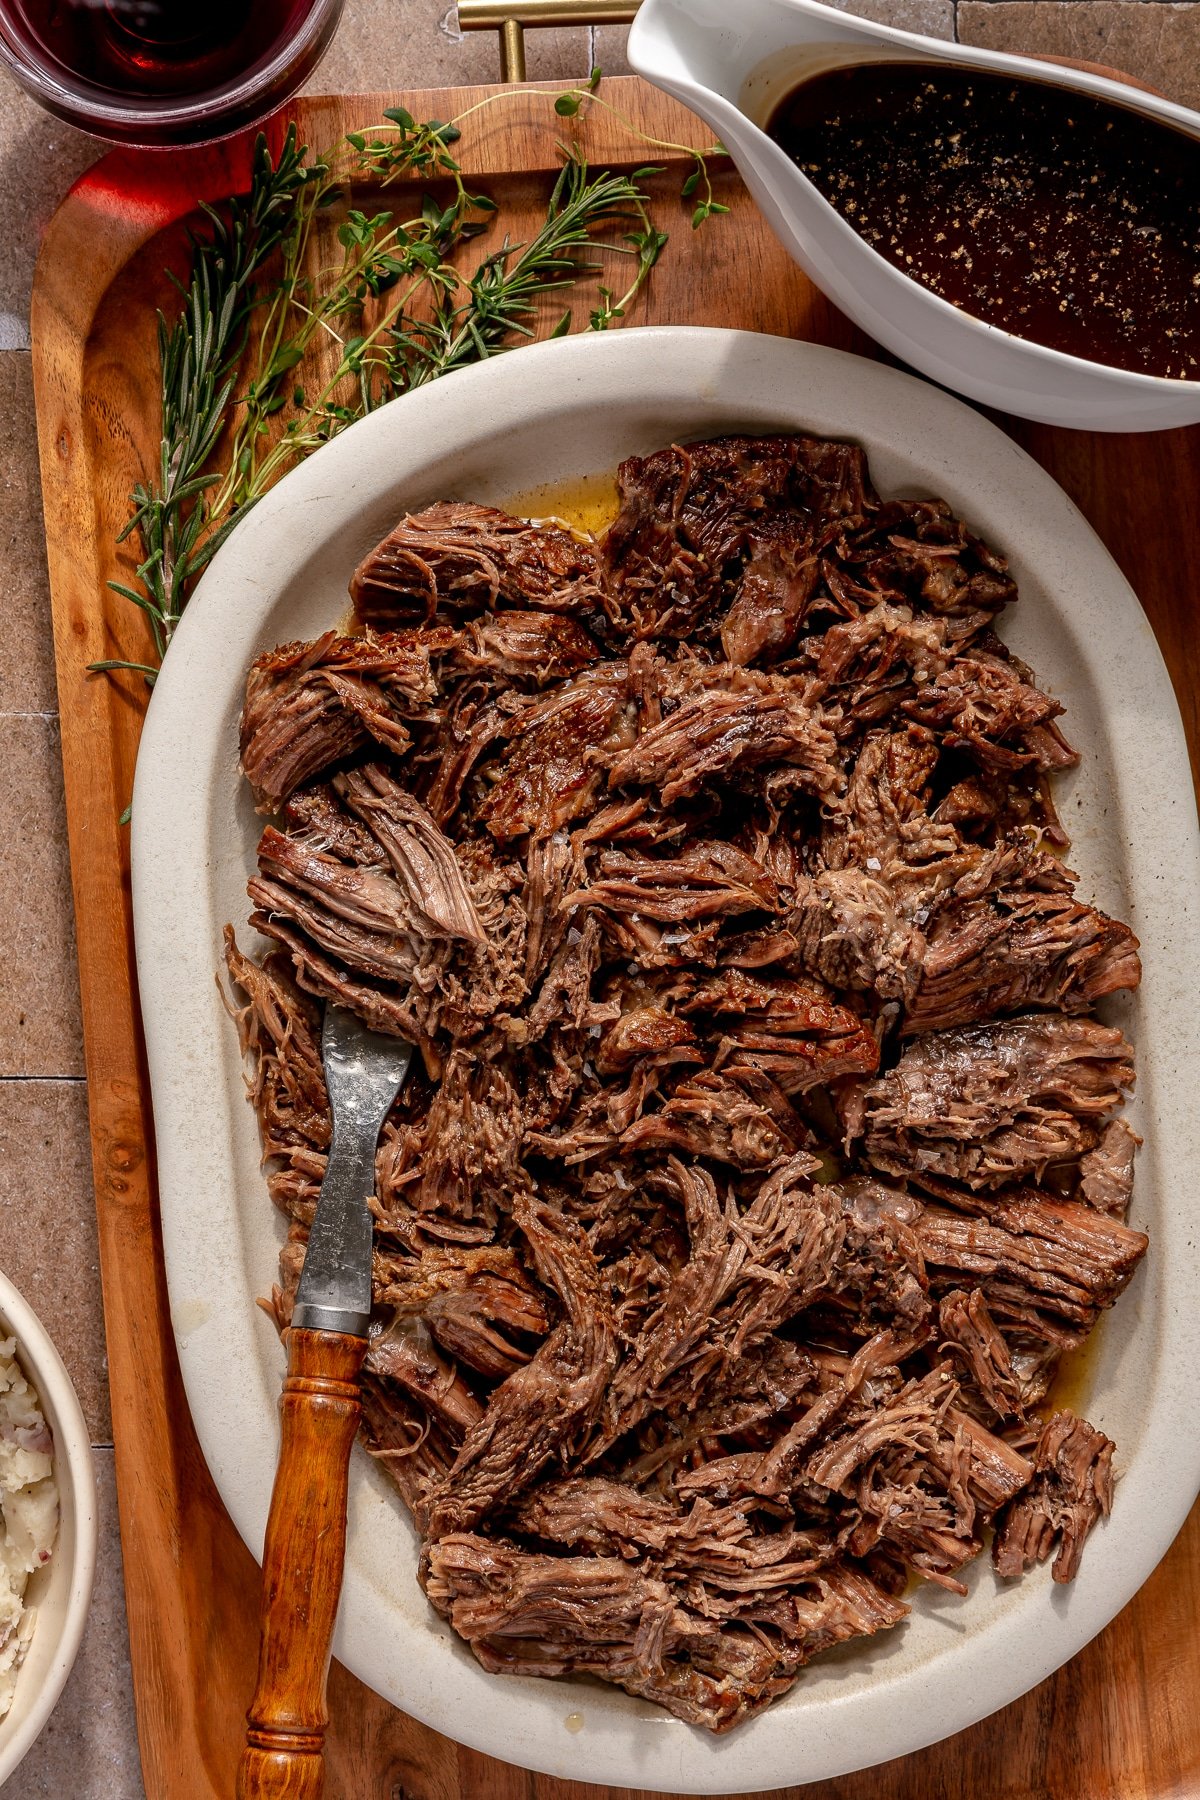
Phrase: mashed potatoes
{"type": "Point", "coordinates": [28, 1512]}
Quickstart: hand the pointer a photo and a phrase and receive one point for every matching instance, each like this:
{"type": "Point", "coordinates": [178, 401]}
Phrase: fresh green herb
{"type": "Point", "coordinates": [396, 309]}
{"type": "Point", "coordinates": [502, 294]}
{"type": "Point", "coordinates": [464, 317]}
{"type": "Point", "coordinates": [379, 253]}
{"type": "Point", "coordinates": [572, 100]}
{"type": "Point", "coordinates": [199, 357]}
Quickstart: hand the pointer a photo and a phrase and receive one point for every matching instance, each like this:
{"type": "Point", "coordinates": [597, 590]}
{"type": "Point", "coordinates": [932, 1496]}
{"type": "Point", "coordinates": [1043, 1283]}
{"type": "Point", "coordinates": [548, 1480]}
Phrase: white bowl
{"type": "Point", "coordinates": [731, 61]}
{"type": "Point", "coordinates": [61, 1591]}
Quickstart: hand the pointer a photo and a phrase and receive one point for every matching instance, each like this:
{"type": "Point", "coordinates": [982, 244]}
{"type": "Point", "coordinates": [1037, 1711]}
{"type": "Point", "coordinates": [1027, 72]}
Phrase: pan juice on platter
{"type": "Point", "coordinates": [586, 503]}
{"type": "Point", "coordinates": [1053, 215]}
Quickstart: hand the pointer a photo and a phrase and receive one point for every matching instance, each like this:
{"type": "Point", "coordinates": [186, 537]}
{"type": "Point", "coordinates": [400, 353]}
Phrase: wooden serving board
{"type": "Point", "coordinates": [1121, 1722]}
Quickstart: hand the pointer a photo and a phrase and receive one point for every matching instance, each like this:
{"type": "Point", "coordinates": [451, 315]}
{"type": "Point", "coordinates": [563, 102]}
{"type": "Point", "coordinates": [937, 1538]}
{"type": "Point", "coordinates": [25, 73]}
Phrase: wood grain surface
{"type": "Point", "coordinates": [1120, 1722]}
{"type": "Point", "coordinates": [302, 1565]}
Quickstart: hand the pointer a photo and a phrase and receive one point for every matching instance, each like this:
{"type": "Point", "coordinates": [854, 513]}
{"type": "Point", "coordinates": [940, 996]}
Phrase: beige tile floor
{"type": "Point", "coordinates": [47, 1230]}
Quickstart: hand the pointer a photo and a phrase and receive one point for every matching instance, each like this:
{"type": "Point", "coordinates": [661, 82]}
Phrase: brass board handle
{"type": "Point", "coordinates": [511, 18]}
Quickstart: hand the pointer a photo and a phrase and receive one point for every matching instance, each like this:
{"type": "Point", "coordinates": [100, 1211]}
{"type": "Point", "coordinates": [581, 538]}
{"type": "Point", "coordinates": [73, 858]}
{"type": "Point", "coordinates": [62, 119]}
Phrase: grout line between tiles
{"type": "Point", "coordinates": [79, 1080]}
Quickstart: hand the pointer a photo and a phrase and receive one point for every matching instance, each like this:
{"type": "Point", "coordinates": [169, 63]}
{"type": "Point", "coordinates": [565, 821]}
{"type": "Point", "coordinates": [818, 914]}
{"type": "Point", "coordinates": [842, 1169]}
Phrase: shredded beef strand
{"type": "Point", "coordinates": [764, 1154]}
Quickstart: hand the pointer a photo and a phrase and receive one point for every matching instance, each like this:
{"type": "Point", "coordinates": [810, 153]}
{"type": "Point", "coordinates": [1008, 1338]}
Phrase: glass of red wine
{"type": "Point", "coordinates": [159, 72]}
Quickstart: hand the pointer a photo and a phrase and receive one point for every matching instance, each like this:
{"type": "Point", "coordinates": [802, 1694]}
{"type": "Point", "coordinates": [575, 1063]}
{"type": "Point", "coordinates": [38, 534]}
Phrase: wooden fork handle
{"type": "Point", "coordinates": [302, 1568]}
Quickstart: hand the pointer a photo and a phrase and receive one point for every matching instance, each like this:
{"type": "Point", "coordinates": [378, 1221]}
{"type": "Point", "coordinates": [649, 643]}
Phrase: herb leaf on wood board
{"type": "Point", "coordinates": [199, 357]}
{"type": "Point", "coordinates": [397, 306]}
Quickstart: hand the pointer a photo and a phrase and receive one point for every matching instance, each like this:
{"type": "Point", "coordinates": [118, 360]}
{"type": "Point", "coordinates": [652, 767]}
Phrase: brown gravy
{"type": "Point", "coordinates": [1058, 217]}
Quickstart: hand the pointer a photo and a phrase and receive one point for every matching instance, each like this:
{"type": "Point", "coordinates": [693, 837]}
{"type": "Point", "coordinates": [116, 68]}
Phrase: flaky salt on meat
{"type": "Point", "coordinates": [526, 646]}
{"type": "Point", "coordinates": [738, 721]}
{"type": "Point", "coordinates": [982, 705]}
{"type": "Point", "coordinates": [1009, 935]}
{"type": "Point", "coordinates": [880, 1273]}
{"type": "Point", "coordinates": [985, 1104]}
{"type": "Point", "coordinates": [793, 1031]}
{"type": "Point", "coordinates": [706, 879]}
{"type": "Point", "coordinates": [869, 665]}
{"type": "Point", "coordinates": [456, 557]}
{"type": "Point", "coordinates": [916, 553]}
{"type": "Point", "coordinates": [557, 753]}
{"type": "Point", "coordinates": [832, 1390]}
{"type": "Point", "coordinates": [762, 1159]}
{"type": "Point", "coordinates": [882, 824]}
{"type": "Point", "coordinates": [735, 519]}
{"type": "Point", "coordinates": [738, 1116]}
{"type": "Point", "coordinates": [850, 929]}
{"type": "Point", "coordinates": [649, 1035]}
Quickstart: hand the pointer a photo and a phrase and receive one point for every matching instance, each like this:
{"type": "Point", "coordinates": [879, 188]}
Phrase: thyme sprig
{"type": "Point", "coordinates": [393, 313]}
{"type": "Point", "coordinates": [379, 252]}
{"type": "Point", "coordinates": [502, 295]}
{"type": "Point", "coordinates": [468, 318]}
{"type": "Point", "coordinates": [571, 100]}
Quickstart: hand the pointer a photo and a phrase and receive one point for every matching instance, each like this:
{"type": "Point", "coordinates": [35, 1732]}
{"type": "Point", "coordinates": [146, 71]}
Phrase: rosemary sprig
{"type": "Point", "coordinates": [378, 253]}
{"type": "Point", "coordinates": [503, 293]}
{"type": "Point", "coordinates": [469, 317]}
{"type": "Point", "coordinates": [397, 307]}
{"type": "Point", "coordinates": [199, 356]}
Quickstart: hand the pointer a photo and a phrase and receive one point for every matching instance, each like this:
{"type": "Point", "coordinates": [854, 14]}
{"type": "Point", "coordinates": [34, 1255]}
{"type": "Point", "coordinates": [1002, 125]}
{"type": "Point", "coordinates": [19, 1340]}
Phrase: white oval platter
{"type": "Point", "coordinates": [555, 411]}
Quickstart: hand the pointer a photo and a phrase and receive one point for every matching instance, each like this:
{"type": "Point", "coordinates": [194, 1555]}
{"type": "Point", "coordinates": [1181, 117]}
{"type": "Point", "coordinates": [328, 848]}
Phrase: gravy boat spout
{"type": "Point", "coordinates": [733, 63]}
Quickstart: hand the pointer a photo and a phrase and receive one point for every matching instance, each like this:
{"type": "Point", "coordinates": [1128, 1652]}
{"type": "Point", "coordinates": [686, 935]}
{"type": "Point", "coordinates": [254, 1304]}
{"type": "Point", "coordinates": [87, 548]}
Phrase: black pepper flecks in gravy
{"type": "Point", "coordinates": [1058, 217]}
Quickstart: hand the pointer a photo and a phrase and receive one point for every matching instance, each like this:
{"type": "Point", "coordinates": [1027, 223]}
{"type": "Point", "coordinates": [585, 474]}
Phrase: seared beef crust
{"type": "Point", "coordinates": [764, 1156]}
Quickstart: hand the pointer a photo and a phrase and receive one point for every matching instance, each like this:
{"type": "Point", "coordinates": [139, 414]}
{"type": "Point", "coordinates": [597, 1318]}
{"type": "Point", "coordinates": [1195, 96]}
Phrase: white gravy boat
{"type": "Point", "coordinates": [732, 61]}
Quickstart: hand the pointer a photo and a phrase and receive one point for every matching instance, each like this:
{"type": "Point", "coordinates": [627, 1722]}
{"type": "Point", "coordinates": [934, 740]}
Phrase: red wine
{"type": "Point", "coordinates": [156, 47]}
{"type": "Point", "coordinates": [162, 71]}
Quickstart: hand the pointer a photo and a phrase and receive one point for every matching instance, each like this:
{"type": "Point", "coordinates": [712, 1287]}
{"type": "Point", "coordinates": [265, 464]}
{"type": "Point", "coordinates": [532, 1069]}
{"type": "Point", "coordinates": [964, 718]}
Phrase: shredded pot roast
{"type": "Point", "coordinates": [764, 1158]}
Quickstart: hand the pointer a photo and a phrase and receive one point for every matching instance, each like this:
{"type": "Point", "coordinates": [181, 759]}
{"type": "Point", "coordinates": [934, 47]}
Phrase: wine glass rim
{"type": "Point", "coordinates": [53, 84]}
